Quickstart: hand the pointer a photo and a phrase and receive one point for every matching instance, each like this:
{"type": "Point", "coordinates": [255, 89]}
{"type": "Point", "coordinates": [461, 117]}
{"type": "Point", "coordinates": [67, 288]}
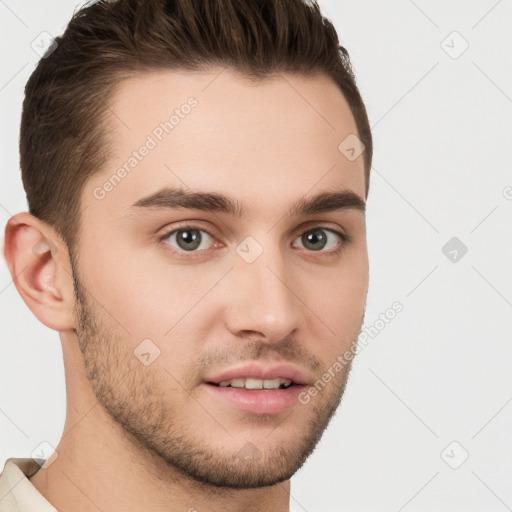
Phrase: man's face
{"type": "Point", "coordinates": [174, 300]}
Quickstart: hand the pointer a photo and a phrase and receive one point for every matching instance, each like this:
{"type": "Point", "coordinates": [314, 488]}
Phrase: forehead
{"type": "Point", "coordinates": [260, 141]}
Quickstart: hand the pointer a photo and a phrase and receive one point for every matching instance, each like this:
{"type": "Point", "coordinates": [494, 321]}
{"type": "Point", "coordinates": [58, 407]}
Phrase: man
{"type": "Point", "coordinates": [196, 174]}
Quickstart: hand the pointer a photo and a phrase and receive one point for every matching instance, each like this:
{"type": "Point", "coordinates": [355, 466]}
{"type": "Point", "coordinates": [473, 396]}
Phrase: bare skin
{"type": "Point", "coordinates": [157, 436]}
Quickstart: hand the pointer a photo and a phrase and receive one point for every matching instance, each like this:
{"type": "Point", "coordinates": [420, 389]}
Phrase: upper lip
{"type": "Point", "coordinates": [259, 371]}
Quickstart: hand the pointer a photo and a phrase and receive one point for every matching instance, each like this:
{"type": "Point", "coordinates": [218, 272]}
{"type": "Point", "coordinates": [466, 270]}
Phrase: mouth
{"type": "Point", "coordinates": [255, 396]}
{"type": "Point", "coordinates": [257, 389]}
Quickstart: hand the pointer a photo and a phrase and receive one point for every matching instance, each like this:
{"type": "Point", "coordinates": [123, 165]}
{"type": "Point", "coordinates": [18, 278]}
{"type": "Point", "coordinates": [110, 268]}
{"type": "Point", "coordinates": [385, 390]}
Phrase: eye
{"type": "Point", "coordinates": [321, 239]}
{"type": "Point", "coordinates": [188, 239]}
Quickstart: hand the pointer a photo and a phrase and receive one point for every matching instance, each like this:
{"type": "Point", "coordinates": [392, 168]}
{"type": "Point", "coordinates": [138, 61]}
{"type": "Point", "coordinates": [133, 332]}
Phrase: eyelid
{"type": "Point", "coordinates": [308, 226]}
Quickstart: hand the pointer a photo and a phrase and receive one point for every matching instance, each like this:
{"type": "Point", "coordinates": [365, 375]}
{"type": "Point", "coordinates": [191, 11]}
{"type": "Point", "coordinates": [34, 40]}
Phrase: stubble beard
{"type": "Point", "coordinates": [133, 397]}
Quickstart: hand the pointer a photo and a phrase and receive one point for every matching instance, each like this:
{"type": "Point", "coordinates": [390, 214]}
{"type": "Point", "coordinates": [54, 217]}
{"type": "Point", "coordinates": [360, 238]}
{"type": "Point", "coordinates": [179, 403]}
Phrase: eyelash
{"type": "Point", "coordinates": [345, 239]}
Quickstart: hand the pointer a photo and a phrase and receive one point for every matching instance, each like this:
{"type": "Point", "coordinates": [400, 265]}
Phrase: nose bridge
{"type": "Point", "coordinates": [262, 297]}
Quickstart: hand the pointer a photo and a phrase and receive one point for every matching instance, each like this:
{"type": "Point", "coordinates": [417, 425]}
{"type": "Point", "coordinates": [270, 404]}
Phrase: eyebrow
{"type": "Point", "coordinates": [172, 198]}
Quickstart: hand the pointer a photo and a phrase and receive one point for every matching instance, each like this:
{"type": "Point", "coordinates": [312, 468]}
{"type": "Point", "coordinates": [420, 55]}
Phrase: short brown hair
{"type": "Point", "coordinates": [62, 140]}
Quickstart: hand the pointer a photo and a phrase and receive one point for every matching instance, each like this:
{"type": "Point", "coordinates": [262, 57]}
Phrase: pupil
{"type": "Point", "coordinates": [313, 238]}
{"type": "Point", "coordinates": [189, 239]}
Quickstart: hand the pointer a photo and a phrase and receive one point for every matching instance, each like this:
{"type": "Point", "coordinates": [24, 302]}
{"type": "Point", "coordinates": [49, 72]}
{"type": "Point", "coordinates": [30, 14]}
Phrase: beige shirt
{"type": "Point", "coordinates": [17, 494]}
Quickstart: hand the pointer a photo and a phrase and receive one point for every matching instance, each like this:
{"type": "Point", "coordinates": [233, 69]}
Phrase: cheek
{"type": "Point", "coordinates": [338, 299]}
{"type": "Point", "coordinates": [163, 306]}
{"type": "Point", "coordinates": [144, 295]}
{"type": "Point", "coordinates": [340, 306]}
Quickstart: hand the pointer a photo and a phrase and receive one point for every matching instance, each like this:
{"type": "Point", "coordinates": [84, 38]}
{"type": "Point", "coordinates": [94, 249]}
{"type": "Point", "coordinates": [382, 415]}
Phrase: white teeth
{"type": "Point", "coordinates": [237, 383]}
{"type": "Point", "coordinates": [252, 383]}
{"type": "Point", "coordinates": [271, 383]}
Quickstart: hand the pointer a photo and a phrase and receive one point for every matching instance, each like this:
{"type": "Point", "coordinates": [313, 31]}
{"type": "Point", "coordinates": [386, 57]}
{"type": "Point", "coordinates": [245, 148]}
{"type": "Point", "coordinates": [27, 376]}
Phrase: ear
{"type": "Point", "coordinates": [38, 260]}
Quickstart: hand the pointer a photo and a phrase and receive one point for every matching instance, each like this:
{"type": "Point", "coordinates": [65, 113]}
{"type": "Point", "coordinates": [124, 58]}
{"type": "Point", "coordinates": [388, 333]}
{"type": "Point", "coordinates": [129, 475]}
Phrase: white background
{"type": "Point", "coordinates": [437, 373]}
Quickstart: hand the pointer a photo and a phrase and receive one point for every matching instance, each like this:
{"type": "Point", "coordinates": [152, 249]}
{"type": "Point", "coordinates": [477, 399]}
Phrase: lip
{"type": "Point", "coordinates": [257, 401]}
{"type": "Point", "coordinates": [258, 371]}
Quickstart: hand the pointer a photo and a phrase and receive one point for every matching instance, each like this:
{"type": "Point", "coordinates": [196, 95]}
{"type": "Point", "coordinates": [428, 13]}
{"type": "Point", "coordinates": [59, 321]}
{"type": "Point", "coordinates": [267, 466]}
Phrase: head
{"type": "Point", "coordinates": [185, 168]}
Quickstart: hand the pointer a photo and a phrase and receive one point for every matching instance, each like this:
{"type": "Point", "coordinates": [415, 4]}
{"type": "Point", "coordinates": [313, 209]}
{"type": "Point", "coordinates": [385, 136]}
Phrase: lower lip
{"type": "Point", "coordinates": [258, 401]}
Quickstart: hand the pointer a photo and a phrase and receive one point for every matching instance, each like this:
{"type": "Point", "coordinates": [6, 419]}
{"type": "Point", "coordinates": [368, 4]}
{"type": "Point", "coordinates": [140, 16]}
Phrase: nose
{"type": "Point", "coordinates": [263, 299]}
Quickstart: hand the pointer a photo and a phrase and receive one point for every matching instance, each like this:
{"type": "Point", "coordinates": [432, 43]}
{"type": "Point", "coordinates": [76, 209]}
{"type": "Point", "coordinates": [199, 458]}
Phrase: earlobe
{"type": "Point", "coordinates": [37, 259]}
